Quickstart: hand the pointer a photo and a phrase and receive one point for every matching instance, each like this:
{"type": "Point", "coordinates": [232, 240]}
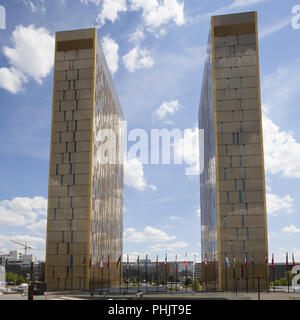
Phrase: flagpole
{"type": "Point", "coordinates": [287, 268]}
{"type": "Point", "coordinates": [138, 274]}
{"type": "Point", "coordinates": [120, 274]}
{"type": "Point", "coordinates": [176, 274]}
{"type": "Point", "coordinates": [166, 273]}
{"type": "Point", "coordinates": [273, 267]}
{"type": "Point", "coordinates": [246, 266]}
{"type": "Point", "coordinates": [108, 284]}
{"type": "Point", "coordinates": [127, 272]}
{"type": "Point", "coordinates": [146, 272]}
{"type": "Point", "coordinates": [157, 273]}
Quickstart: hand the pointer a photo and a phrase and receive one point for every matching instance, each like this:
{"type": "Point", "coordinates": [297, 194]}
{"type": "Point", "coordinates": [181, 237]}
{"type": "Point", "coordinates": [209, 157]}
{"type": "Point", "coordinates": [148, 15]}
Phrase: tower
{"type": "Point", "coordinates": [85, 199]}
{"type": "Point", "coordinates": [233, 201]}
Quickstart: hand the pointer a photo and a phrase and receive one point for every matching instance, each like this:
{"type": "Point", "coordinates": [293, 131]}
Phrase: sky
{"type": "Point", "coordinates": [155, 51]}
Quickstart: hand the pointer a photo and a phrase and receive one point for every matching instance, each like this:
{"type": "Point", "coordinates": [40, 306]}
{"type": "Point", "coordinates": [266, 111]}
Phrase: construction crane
{"type": "Point", "coordinates": [24, 245]}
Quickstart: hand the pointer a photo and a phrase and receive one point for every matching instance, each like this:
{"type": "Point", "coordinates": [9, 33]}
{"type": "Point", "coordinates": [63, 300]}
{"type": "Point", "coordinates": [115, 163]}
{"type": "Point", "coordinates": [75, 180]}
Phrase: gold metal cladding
{"type": "Point", "coordinates": [232, 29]}
{"type": "Point", "coordinates": [216, 151]}
{"type": "Point", "coordinates": [75, 44]}
{"type": "Point", "coordinates": [261, 137]}
{"type": "Point", "coordinates": [50, 162]}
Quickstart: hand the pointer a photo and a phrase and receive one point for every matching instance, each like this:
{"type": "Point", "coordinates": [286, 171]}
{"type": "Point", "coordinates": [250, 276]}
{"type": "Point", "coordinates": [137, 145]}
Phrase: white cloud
{"type": "Point", "coordinates": [166, 247]}
{"type": "Point", "coordinates": [138, 58]}
{"type": "Point", "coordinates": [275, 203]}
{"type": "Point", "coordinates": [157, 14]}
{"type": "Point", "coordinates": [87, 2]}
{"type": "Point", "coordinates": [134, 175]}
{"type": "Point", "coordinates": [37, 6]}
{"type": "Point", "coordinates": [268, 30]}
{"type": "Point", "coordinates": [110, 48]}
{"type": "Point", "coordinates": [31, 57]}
{"type": "Point", "coordinates": [110, 10]}
{"type": "Point", "coordinates": [149, 234]}
{"type": "Point", "coordinates": [167, 107]}
{"type": "Point", "coordinates": [245, 3]}
{"type": "Point", "coordinates": [188, 147]}
{"type": "Point", "coordinates": [38, 227]}
{"type": "Point", "coordinates": [290, 229]}
{"type": "Point", "coordinates": [281, 150]}
{"type": "Point", "coordinates": [22, 211]}
{"type": "Point", "coordinates": [198, 212]}
{"type": "Point", "coordinates": [138, 35]}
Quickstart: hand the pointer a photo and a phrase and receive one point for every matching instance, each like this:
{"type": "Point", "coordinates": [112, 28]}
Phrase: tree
{"type": "Point", "coordinates": [15, 278]}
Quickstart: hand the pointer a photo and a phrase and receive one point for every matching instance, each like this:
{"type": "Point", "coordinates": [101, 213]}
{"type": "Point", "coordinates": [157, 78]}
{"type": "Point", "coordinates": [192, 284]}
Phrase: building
{"type": "Point", "coordinates": [85, 201]}
{"type": "Point", "coordinates": [198, 270]}
{"type": "Point", "coordinates": [233, 201]}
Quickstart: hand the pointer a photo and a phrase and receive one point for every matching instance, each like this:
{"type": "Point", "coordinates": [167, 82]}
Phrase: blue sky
{"type": "Point", "coordinates": [155, 51]}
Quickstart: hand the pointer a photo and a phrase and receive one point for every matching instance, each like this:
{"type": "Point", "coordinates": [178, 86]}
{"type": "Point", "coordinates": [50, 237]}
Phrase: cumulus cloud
{"type": "Point", "coordinates": [167, 107]}
{"type": "Point", "coordinates": [149, 234]}
{"type": "Point", "coordinates": [110, 10]}
{"type": "Point", "coordinates": [291, 229]}
{"type": "Point", "coordinates": [281, 150]}
{"type": "Point", "coordinates": [22, 211]}
{"type": "Point", "coordinates": [134, 175]}
{"type": "Point", "coordinates": [110, 48]}
{"type": "Point", "coordinates": [157, 14]}
{"type": "Point", "coordinates": [31, 57]}
{"type": "Point", "coordinates": [276, 204]}
{"type": "Point", "coordinates": [138, 58]}
{"type": "Point", "coordinates": [138, 35]}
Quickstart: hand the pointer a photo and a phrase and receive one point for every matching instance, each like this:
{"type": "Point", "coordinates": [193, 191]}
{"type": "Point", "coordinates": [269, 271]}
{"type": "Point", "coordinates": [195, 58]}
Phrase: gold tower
{"type": "Point", "coordinates": [233, 201]}
{"type": "Point", "coordinates": [85, 200]}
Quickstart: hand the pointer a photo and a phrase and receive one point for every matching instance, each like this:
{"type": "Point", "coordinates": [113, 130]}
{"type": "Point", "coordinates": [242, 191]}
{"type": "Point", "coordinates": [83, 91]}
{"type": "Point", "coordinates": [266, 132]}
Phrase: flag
{"type": "Point", "coordinates": [287, 260]}
{"type": "Point", "coordinates": [107, 263]}
{"type": "Point", "coordinates": [156, 261]}
{"type": "Point", "coordinates": [101, 263]}
{"type": "Point", "coordinates": [83, 262]}
{"type": "Point", "coordinates": [227, 262]}
{"type": "Point", "coordinates": [127, 266]}
{"type": "Point", "coordinates": [266, 261]}
{"type": "Point", "coordinates": [175, 262]}
{"type": "Point", "coordinates": [234, 262]}
{"type": "Point", "coordinates": [185, 262]}
{"type": "Point", "coordinates": [166, 260]}
{"type": "Point", "coordinates": [118, 262]}
{"type": "Point", "coordinates": [252, 262]}
{"type": "Point", "coordinates": [294, 264]}
{"type": "Point", "coordinates": [272, 260]}
{"type": "Point", "coordinates": [205, 260]}
{"type": "Point", "coordinates": [138, 260]}
{"type": "Point", "coordinates": [71, 262]}
{"type": "Point", "coordinates": [146, 261]}
{"type": "Point", "coordinates": [215, 262]}
{"type": "Point", "coordinates": [245, 261]}
{"type": "Point", "coordinates": [90, 263]}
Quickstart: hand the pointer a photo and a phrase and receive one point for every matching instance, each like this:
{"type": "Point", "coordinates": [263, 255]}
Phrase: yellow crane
{"type": "Point", "coordinates": [24, 245]}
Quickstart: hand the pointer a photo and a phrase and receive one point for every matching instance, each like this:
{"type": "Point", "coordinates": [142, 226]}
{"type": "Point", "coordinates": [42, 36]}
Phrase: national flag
{"type": "Point", "coordinates": [227, 261]}
{"type": "Point", "coordinates": [234, 263]}
{"type": "Point", "coordinates": [175, 262]}
{"type": "Point", "coordinates": [294, 264]}
{"type": "Point", "coordinates": [138, 260]}
{"type": "Point", "coordinates": [266, 261]}
{"type": "Point", "coordinates": [215, 262]}
{"type": "Point", "coordinates": [90, 263]}
{"type": "Point", "coordinates": [107, 263]}
{"type": "Point", "coordinates": [146, 261]}
{"type": "Point", "coordinates": [156, 261]}
{"type": "Point", "coordinates": [185, 262]}
{"type": "Point", "coordinates": [127, 266]}
{"type": "Point", "coordinates": [272, 260]}
{"type": "Point", "coordinates": [118, 262]}
{"type": "Point", "coordinates": [287, 260]}
{"type": "Point", "coordinates": [83, 262]}
{"type": "Point", "coordinates": [205, 260]}
{"type": "Point", "coordinates": [101, 263]}
{"type": "Point", "coordinates": [71, 262]}
{"type": "Point", "coordinates": [245, 262]}
{"type": "Point", "coordinates": [252, 262]}
{"type": "Point", "coordinates": [166, 261]}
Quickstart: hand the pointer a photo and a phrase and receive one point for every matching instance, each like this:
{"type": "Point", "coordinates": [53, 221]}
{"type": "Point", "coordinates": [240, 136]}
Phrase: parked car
{"type": "Point", "coordinates": [23, 286]}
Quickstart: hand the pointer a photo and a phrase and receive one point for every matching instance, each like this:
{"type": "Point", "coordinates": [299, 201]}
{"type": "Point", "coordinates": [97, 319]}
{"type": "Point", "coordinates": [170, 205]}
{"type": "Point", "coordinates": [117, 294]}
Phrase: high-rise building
{"type": "Point", "coordinates": [233, 202]}
{"type": "Point", "coordinates": [85, 201]}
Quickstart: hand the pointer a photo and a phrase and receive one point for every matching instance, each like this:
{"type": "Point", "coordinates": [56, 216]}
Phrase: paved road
{"type": "Point", "coordinates": [13, 297]}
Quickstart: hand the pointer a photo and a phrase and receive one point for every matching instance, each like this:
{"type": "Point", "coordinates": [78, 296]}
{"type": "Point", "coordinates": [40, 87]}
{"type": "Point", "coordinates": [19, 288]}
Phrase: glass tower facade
{"type": "Point", "coordinates": [85, 201]}
{"type": "Point", "coordinates": [233, 204]}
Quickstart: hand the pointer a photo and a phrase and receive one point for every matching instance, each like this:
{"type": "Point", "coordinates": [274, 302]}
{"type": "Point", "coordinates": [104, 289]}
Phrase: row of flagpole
{"type": "Point", "coordinates": [118, 264]}
{"type": "Point", "coordinates": [101, 265]}
{"type": "Point", "coordinates": [227, 262]}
